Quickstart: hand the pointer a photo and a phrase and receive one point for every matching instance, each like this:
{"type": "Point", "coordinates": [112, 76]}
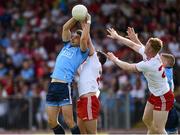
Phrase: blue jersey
{"type": "Point", "coordinates": [68, 61]}
{"type": "Point", "coordinates": [169, 74]}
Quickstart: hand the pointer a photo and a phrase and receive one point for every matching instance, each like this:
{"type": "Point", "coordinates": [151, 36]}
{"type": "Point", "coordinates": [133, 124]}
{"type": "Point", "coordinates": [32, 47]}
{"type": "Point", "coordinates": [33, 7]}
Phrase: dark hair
{"type": "Point", "coordinates": [102, 57]}
{"type": "Point", "coordinates": [79, 32]}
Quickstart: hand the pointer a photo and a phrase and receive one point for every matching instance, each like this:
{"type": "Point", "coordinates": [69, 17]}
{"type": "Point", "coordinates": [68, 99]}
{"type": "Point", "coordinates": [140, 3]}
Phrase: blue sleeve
{"type": "Point", "coordinates": [169, 73]}
{"type": "Point", "coordinates": [85, 54]}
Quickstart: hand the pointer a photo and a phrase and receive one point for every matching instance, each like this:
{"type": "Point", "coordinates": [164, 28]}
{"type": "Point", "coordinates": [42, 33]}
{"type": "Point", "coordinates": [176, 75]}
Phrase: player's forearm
{"type": "Point", "coordinates": [128, 43]}
{"type": "Point", "coordinates": [125, 41]}
{"type": "Point", "coordinates": [90, 46]}
{"type": "Point", "coordinates": [85, 33]}
{"type": "Point", "coordinates": [84, 38]}
{"type": "Point", "coordinates": [137, 41]}
{"type": "Point", "coordinates": [124, 65]}
{"type": "Point", "coordinates": [69, 24]}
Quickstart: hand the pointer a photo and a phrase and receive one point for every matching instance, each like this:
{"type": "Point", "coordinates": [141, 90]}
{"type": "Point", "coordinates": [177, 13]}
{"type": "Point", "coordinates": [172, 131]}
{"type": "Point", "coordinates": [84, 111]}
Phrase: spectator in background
{"type": "Point", "coordinates": [138, 94]}
{"type": "Point", "coordinates": [3, 70]}
{"type": "Point", "coordinates": [27, 72]}
{"type": "Point", "coordinates": [41, 115]}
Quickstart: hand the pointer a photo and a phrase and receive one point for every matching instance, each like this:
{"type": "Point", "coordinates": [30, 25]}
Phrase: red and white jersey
{"type": "Point", "coordinates": [154, 73]}
{"type": "Point", "coordinates": [89, 75]}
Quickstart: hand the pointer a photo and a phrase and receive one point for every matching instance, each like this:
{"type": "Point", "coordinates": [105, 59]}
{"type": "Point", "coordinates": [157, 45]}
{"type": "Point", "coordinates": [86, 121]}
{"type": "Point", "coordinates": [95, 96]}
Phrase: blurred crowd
{"type": "Point", "coordinates": [30, 39]}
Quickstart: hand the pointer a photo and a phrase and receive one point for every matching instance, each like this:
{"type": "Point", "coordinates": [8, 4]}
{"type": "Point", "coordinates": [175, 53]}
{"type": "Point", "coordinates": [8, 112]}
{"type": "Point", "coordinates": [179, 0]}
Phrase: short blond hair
{"type": "Point", "coordinates": [170, 58]}
{"type": "Point", "coordinates": [156, 44]}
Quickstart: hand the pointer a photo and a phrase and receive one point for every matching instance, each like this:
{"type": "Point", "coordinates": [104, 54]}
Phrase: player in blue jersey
{"type": "Point", "coordinates": [168, 61]}
{"type": "Point", "coordinates": [58, 98]}
{"type": "Point", "coordinates": [172, 121]}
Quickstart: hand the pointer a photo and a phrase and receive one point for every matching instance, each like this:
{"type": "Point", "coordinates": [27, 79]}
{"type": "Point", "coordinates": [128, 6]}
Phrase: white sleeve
{"type": "Point", "coordinates": [93, 58]}
{"type": "Point", "coordinates": [141, 52]}
{"type": "Point", "coordinates": [143, 66]}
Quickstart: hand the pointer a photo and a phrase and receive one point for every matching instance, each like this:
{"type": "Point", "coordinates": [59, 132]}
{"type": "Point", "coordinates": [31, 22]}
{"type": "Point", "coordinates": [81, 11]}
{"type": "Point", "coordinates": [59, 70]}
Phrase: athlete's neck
{"type": "Point", "coordinates": [150, 55]}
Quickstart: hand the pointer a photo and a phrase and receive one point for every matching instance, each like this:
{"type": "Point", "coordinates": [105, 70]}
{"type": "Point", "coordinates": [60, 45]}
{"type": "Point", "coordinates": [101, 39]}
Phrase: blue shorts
{"type": "Point", "coordinates": [172, 121]}
{"type": "Point", "coordinates": [59, 94]}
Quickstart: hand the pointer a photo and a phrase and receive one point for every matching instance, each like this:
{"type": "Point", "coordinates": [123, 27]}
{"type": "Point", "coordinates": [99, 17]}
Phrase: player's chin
{"type": "Point", "coordinates": [75, 44]}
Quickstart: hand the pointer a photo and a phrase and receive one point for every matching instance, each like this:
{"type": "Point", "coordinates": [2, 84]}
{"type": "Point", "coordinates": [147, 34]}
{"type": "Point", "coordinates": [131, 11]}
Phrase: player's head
{"type": "Point", "coordinates": [167, 59]}
{"type": "Point", "coordinates": [75, 37]}
{"type": "Point", "coordinates": [153, 46]}
{"type": "Point", "coordinates": [102, 57]}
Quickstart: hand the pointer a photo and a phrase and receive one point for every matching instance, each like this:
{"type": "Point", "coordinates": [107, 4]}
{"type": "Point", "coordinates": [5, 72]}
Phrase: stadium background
{"type": "Point", "coordinates": [30, 41]}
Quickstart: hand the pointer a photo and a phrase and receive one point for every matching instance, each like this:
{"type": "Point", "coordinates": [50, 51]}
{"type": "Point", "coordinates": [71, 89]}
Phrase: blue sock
{"type": "Point", "coordinates": [58, 130]}
{"type": "Point", "coordinates": [75, 130]}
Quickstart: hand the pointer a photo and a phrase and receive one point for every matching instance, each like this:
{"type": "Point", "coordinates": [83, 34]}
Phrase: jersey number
{"type": "Point", "coordinates": [162, 68]}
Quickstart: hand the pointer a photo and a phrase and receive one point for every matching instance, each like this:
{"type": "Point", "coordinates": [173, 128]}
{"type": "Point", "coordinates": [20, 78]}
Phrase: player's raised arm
{"type": "Point", "coordinates": [85, 34]}
{"type": "Point", "coordinates": [90, 46]}
{"type": "Point", "coordinates": [133, 36]}
{"type": "Point", "coordinates": [89, 42]}
{"type": "Point", "coordinates": [113, 34]}
{"type": "Point", "coordinates": [66, 33]}
{"type": "Point", "coordinates": [124, 65]}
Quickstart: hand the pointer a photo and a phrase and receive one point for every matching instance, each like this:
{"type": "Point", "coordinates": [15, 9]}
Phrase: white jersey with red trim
{"type": "Point", "coordinates": [154, 73]}
{"type": "Point", "coordinates": [89, 75]}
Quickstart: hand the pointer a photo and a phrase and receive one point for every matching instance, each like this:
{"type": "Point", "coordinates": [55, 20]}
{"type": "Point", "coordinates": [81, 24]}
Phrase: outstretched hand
{"type": "Point", "coordinates": [131, 34]}
{"type": "Point", "coordinates": [111, 56]}
{"type": "Point", "coordinates": [112, 33]}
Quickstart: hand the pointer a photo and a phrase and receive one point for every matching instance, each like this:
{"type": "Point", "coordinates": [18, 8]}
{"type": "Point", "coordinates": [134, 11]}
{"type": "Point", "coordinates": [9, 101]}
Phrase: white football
{"type": "Point", "coordinates": [79, 12]}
